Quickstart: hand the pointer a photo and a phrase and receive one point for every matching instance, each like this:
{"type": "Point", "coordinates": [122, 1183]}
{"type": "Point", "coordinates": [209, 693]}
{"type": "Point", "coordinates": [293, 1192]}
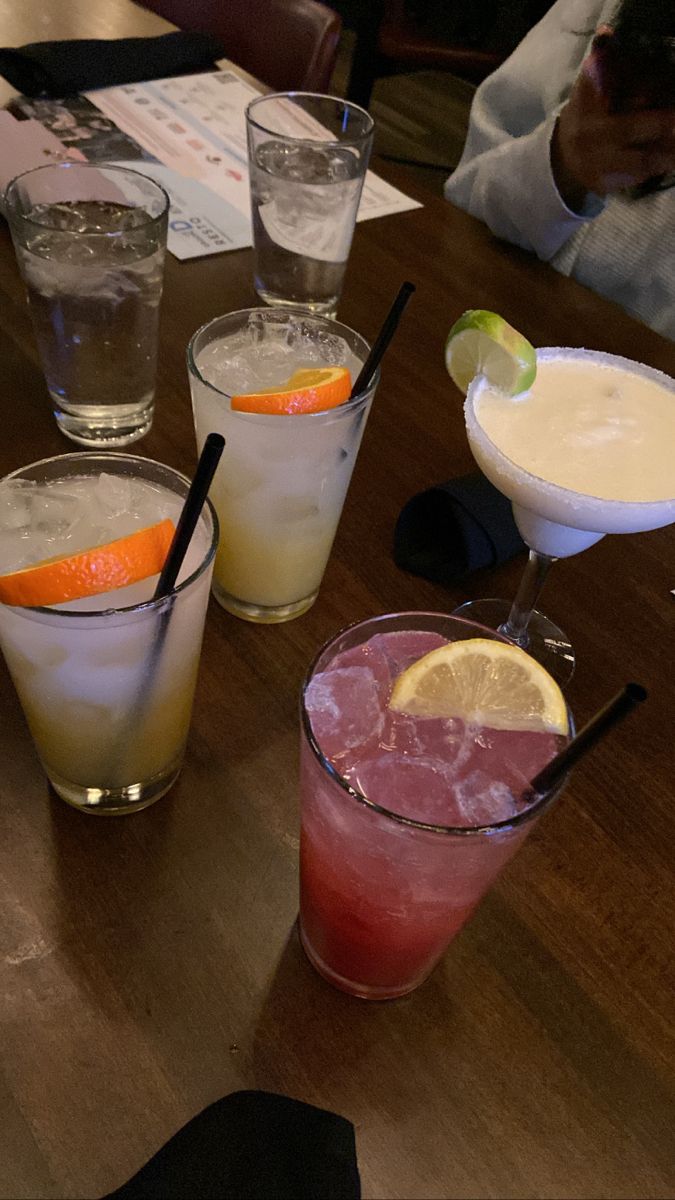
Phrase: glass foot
{"type": "Point", "coordinates": [547, 643]}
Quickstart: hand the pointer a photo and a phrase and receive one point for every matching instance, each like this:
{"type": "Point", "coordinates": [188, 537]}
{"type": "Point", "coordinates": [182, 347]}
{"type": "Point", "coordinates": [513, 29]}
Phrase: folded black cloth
{"type": "Point", "coordinates": [455, 528]}
{"type": "Point", "coordinates": [253, 1146]}
{"type": "Point", "coordinates": [58, 69]}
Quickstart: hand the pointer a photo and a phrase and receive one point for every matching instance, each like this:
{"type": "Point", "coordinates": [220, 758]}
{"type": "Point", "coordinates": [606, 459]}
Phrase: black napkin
{"type": "Point", "coordinates": [455, 528]}
{"type": "Point", "coordinates": [58, 69]}
{"type": "Point", "coordinates": [253, 1146]}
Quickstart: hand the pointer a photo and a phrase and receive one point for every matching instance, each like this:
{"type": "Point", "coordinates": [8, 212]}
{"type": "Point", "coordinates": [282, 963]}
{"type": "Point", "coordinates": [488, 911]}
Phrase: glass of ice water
{"type": "Point", "coordinates": [90, 241]}
{"type": "Point", "coordinates": [308, 156]}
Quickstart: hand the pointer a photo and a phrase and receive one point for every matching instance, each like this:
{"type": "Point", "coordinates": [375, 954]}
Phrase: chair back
{"type": "Point", "coordinates": [290, 45]}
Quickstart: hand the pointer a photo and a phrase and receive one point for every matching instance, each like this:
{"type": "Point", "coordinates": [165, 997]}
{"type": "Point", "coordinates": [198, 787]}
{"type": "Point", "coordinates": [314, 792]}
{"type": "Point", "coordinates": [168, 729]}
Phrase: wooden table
{"type": "Point", "coordinates": [150, 965]}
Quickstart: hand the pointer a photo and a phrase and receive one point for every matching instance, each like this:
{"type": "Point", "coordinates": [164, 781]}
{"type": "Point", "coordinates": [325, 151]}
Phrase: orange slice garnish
{"type": "Point", "coordinates": [90, 572]}
{"type": "Point", "coordinates": [312, 389]}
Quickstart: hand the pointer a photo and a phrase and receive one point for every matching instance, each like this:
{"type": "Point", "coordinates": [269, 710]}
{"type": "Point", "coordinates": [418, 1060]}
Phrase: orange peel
{"type": "Point", "coordinates": [311, 389]}
{"type": "Point", "coordinates": [90, 572]}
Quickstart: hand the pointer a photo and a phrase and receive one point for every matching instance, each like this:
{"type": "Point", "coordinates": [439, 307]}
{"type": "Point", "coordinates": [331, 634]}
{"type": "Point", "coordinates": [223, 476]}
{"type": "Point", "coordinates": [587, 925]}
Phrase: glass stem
{"type": "Point", "coordinates": [534, 577]}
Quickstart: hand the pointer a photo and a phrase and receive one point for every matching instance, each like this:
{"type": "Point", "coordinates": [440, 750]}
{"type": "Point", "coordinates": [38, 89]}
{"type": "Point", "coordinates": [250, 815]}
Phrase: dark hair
{"type": "Point", "coordinates": [638, 21]}
{"type": "Point", "coordinates": [639, 65]}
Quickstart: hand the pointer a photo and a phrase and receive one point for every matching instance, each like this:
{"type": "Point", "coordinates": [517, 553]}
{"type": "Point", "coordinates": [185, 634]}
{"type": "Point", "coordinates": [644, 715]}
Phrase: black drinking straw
{"type": "Point", "coordinates": [613, 712]}
{"type": "Point", "coordinates": [194, 502]}
{"type": "Point", "coordinates": [190, 513]}
{"type": "Point", "coordinates": [365, 376]}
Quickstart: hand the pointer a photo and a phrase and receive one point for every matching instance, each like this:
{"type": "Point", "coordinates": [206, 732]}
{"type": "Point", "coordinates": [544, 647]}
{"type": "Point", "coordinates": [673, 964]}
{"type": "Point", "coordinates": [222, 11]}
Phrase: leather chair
{"type": "Point", "coordinates": [290, 45]}
{"type": "Point", "coordinates": [467, 40]}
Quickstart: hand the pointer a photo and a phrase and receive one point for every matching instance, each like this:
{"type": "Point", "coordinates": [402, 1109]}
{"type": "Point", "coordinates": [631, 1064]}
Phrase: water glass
{"type": "Point", "coordinates": [90, 243]}
{"type": "Point", "coordinates": [308, 156]}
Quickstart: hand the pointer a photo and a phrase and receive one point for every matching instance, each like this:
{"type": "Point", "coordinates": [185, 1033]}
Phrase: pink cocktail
{"type": "Point", "coordinates": [406, 821]}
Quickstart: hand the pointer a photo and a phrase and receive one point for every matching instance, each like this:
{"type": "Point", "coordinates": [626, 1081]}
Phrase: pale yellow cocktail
{"type": "Point", "coordinates": [282, 481]}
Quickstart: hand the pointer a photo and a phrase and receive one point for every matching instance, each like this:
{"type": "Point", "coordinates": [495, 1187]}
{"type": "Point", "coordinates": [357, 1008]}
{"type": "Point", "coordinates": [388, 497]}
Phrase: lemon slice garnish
{"type": "Point", "coordinates": [484, 682]}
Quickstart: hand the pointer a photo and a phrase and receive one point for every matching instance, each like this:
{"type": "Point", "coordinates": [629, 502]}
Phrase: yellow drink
{"type": "Point", "coordinates": [106, 682]}
{"type": "Point", "coordinates": [282, 481]}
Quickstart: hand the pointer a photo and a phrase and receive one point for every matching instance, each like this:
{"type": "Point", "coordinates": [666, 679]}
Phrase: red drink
{"type": "Point", "coordinates": [406, 821]}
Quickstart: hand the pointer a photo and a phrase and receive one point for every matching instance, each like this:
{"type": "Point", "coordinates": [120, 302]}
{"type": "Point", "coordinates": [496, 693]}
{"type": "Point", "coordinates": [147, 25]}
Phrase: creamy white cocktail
{"type": "Point", "coordinates": [582, 444]}
{"type": "Point", "coordinates": [587, 450]}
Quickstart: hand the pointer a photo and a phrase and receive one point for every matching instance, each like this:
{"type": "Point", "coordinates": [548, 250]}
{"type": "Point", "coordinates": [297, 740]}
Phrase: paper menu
{"type": "Point", "coordinates": [27, 144]}
{"type": "Point", "coordinates": [195, 125]}
{"type": "Point", "coordinates": [200, 221]}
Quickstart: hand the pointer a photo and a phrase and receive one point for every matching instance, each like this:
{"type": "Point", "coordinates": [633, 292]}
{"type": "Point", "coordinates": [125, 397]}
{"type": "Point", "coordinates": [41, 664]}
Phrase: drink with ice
{"type": "Point", "coordinates": [106, 681]}
{"type": "Point", "coordinates": [406, 821]}
{"type": "Point", "coordinates": [303, 207]}
{"type": "Point", "coordinates": [280, 486]}
{"type": "Point", "coordinates": [90, 244]}
{"type": "Point", "coordinates": [307, 161]}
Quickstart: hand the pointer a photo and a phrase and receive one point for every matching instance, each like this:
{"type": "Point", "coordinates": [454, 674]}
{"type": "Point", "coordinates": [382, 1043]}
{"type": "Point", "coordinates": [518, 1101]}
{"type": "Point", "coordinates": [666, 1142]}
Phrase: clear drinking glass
{"type": "Point", "coordinates": [615, 434]}
{"type": "Point", "coordinates": [90, 242]}
{"type": "Point", "coordinates": [107, 682]}
{"type": "Point", "coordinates": [281, 483]}
{"type": "Point", "coordinates": [382, 894]}
{"type": "Point", "coordinates": [308, 156]}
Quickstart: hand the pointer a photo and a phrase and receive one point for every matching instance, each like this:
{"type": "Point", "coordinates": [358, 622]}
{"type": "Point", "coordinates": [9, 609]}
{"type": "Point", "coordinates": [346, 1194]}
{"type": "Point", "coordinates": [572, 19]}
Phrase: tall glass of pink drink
{"type": "Point", "coordinates": [406, 821]}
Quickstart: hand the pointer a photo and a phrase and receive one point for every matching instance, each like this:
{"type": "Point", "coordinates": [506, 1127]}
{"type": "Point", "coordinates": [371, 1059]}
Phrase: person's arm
{"type": "Point", "coordinates": [505, 176]}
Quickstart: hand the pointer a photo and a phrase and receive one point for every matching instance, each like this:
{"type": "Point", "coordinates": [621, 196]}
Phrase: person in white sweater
{"type": "Point", "coordinates": [551, 165]}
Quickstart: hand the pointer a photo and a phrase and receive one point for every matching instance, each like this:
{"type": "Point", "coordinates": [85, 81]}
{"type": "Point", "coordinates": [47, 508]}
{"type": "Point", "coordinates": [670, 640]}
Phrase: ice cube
{"type": "Point", "coordinates": [53, 509]}
{"type": "Point", "coordinates": [412, 787]}
{"type": "Point", "coordinates": [401, 648]}
{"type": "Point", "coordinates": [15, 504]}
{"type": "Point", "coordinates": [345, 711]}
{"type": "Point", "coordinates": [367, 655]}
{"type": "Point", "coordinates": [483, 800]}
{"type": "Point", "coordinates": [330, 348]}
{"type": "Point", "coordinates": [255, 329]}
{"type": "Point", "coordinates": [444, 739]}
{"type": "Point", "coordinates": [113, 493]}
{"type": "Point", "coordinates": [512, 756]}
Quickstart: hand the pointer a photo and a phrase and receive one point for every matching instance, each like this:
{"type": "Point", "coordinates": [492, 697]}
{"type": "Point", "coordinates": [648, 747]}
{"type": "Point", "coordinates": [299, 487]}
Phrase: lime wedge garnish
{"type": "Point", "coordinates": [483, 343]}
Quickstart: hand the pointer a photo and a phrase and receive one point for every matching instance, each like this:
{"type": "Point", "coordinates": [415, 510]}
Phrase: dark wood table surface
{"type": "Point", "coordinates": [150, 964]}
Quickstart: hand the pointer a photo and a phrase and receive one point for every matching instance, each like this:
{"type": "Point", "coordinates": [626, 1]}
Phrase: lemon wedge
{"type": "Point", "coordinates": [484, 682]}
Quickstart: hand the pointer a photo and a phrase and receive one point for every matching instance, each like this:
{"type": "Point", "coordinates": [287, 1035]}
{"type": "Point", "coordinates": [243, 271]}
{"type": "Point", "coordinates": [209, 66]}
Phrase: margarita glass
{"type": "Point", "coordinates": [587, 451]}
